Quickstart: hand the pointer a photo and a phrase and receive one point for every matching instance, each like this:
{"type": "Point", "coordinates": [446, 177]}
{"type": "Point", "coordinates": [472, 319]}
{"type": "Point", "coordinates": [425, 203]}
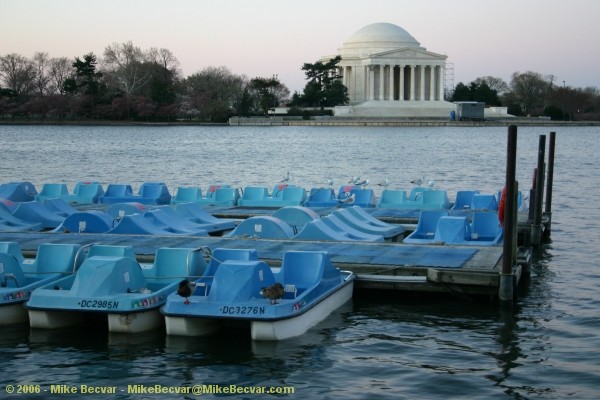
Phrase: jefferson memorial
{"type": "Point", "coordinates": [389, 74]}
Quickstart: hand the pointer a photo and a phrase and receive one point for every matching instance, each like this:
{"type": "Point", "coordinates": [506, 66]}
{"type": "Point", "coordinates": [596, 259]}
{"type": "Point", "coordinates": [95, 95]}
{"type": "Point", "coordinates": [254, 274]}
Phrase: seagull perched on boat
{"type": "Point", "coordinates": [363, 183]}
{"type": "Point", "coordinates": [354, 180]}
{"type": "Point", "coordinates": [185, 290]}
{"type": "Point", "coordinates": [329, 181]}
{"type": "Point", "coordinates": [286, 178]}
{"type": "Point", "coordinates": [348, 199]}
{"type": "Point", "coordinates": [273, 292]}
{"type": "Point", "coordinates": [431, 183]}
{"type": "Point", "coordinates": [418, 182]}
{"type": "Point", "coordinates": [385, 183]}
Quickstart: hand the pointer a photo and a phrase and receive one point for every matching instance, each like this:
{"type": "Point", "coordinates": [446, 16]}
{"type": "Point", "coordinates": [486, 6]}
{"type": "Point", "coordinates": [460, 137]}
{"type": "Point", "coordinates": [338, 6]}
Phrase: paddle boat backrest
{"type": "Point", "coordinates": [227, 195]}
{"type": "Point", "coordinates": [486, 202]}
{"type": "Point", "coordinates": [155, 192]}
{"type": "Point", "coordinates": [452, 230]}
{"type": "Point", "coordinates": [485, 226]}
{"type": "Point", "coordinates": [238, 281]}
{"type": "Point", "coordinates": [118, 190]}
{"type": "Point", "coordinates": [294, 194]}
{"type": "Point", "coordinates": [416, 193]}
{"type": "Point", "coordinates": [187, 195]}
{"type": "Point", "coordinates": [255, 193]}
{"type": "Point", "coordinates": [303, 269]}
{"type": "Point", "coordinates": [463, 199]}
{"type": "Point", "coordinates": [93, 221]}
{"type": "Point", "coordinates": [219, 255]}
{"type": "Point", "coordinates": [436, 199]}
{"type": "Point", "coordinates": [112, 251]}
{"type": "Point", "coordinates": [58, 206]}
{"type": "Point", "coordinates": [176, 264]}
{"type": "Point", "coordinates": [211, 191]}
{"type": "Point", "coordinates": [363, 197]}
{"type": "Point", "coordinates": [52, 191]}
{"type": "Point", "coordinates": [14, 249]}
{"type": "Point", "coordinates": [428, 221]}
{"type": "Point", "coordinates": [11, 273]}
{"type": "Point", "coordinates": [390, 198]}
{"type": "Point", "coordinates": [322, 195]}
{"type": "Point", "coordinates": [54, 259]}
{"type": "Point", "coordinates": [86, 192]}
{"type": "Point", "coordinates": [278, 190]}
{"type": "Point", "coordinates": [18, 191]}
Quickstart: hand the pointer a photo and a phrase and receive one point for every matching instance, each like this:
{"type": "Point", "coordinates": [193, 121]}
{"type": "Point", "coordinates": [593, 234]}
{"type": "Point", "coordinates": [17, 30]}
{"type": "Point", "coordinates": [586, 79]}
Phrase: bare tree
{"type": "Point", "coordinates": [494, 83]}
{"type": "Point", "coordinates": [168, 63]}
{"type": "Point", "coordinates": [18, 73]}
{"type": "Point", "coordinates": [124, 63]}
{"type": "Point", "coordinates": [60, 69]}
{"type": "Point", "coordinates": [41, 63]}
{"type": "Point", "coordinates": [529, 89]}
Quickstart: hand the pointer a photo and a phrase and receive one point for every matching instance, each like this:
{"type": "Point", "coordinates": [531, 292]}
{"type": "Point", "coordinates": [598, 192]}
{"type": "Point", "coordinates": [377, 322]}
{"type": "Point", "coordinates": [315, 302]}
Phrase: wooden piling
{"type": "Point", "coordinates": [549, 183]}
{"type": "Point", "coordinates": [506, 288]}
{"type": "Point", "coordinates": [536, 226]}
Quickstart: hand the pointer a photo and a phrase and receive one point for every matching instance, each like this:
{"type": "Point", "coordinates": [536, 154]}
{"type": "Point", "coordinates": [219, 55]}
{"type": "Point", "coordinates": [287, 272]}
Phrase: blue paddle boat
{"type": "Point", "coordinates": [20, 277]}
{"type": "Point", "coordinates": [238, 290]}
{"type": "Point", "coordinates": [111, 283]}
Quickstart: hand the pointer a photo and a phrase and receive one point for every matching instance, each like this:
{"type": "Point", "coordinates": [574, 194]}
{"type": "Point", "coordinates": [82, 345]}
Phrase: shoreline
{"type": "Point", "coordinates": [331, 121]}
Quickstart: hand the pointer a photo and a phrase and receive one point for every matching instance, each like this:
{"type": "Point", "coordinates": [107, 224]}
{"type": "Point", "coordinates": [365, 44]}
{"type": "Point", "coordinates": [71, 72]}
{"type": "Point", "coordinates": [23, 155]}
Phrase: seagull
{"type": "Point", "coordinates": [418, 182]}
{"type": "Point", "coordinates": [347, 199]}
{"type": "Point", "coordinates": [273, 292]}
{"type": "Point", "coordinates": [354, 180]}
{"type": "Point", "coordinates": [431, 183]}
{"type": "Point", "coordinates": [329, 181]}
{"type": "Point", "coordinates": [185, 290]}
{"type": "Point", "coordinates": [385, 183]}
{"type": "Point", "coordinates": [363, 182]}
{"type": "Point", "coordinates": [286, 178]}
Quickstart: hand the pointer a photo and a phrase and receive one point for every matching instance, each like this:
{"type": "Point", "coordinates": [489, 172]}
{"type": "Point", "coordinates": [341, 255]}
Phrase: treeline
{"type": "Point", "coordinates": [129, 83]}
{"type": "Point", "coordinates": [532, 94]}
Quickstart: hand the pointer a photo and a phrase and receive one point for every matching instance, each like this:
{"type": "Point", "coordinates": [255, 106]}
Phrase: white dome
{"type": "Point", "coordinates": [377, 38]}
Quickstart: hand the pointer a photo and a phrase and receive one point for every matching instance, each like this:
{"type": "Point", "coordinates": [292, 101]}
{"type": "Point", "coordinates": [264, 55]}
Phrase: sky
{"type": "Point", "coordinates": [262, 38]}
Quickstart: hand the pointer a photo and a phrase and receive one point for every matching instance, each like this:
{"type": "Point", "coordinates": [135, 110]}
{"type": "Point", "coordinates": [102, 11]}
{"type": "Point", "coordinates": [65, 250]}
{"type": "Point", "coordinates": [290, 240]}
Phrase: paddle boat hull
{"type": "Point", "coordinates": [311, 289]}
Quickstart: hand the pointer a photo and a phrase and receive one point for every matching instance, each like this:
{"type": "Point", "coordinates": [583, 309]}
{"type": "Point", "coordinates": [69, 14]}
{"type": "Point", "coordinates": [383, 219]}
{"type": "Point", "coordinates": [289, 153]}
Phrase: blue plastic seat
{"type": "Point", "coordinates": [154, 193]}
{"type": "Point", "coordinates": [86, 193]}
{"type": "Point", "coordinates": [342, 227]}
{"type": "Point", "coordinates": [303, 269]}
{"type": "Point", "coordinates": [485, 227]}
{"type": "Point", "coordinates": [485, 202]}
{"type": "Point", "coordinates": [254, 196]}
{"type": "Point", "coordinates": [295, 216]}
{"type": "Point", "coordinates": [321, 197]}
{"type": "Point", "coordinates": [175, 264]}
{"type": "Point", "coordinates": [463, 199]}
{"type": "Point", "coordinates": [93, 221]}
{"type": "Point", "coordinates": [53, 259]}
{"type": "Point", "coordinates": [391, 198]}
{"type": "Point", "coordinates": [388, 231]}
{"type": "Point", "coordinates": [117, 193]}
{"type": "Point", "coordinates": [14, 249]}
{"type": "Point", "coordinates": [187, 195]}
{"type": "Point", "coordinates": [426, 227]}
{"type": "Point", "coordinates": [226, 196]}
{"type": "Point", "coordinates": [18, 191]}
{"type": "Point", "coordinates": [52, 191]}
{"type": "Point", "coordinates": [220, 255]}
{"type": "Point", "coordinates": [452, 230]}
{"type": "Point", "coordinates": [435, 199]}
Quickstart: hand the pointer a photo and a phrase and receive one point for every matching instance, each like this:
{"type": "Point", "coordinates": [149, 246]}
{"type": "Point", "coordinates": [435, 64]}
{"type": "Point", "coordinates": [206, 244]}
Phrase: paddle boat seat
{"type": "Point", "coordinates": [14, 249]}
{"type": "Point", "coordinates": [52, 191]}
{"type": "Point", "coordinates": [288, 196]}
{"type": "Point", "coordinates": [485, 202]}
{"type": "Point", "coordinates": [175, 264]}
{"type": "Point", "coordinates": [464, 199]}
{"type": "Point", "coordinates": [435, 199]}
{"type": "Point", "coordinates": [295, 216]}
{"type": "Point", "coordinates": [264, 227]}
{"type": "Point", "coordinates": [106, 250]}
{"type": "Point", "coordinates": [392, 198]}
{"type": "Point", "coordinates": [426, 227]}
{"type": "Point", "coordinates": [321, 197]}
{"type": "Point", "coordinates": [337, 224]}
{"type": "Point", "coordinates": [154, 193]}
{"type": "Point", "coordinates": [54, 259]}
{"type": "Point", "coordinates": [219, 256]}
{"type": "Point", "coordinates": [187, 195]}
{"type": "Point", "coordinates": [117, 193]}
{"type": "Point", "coordinates": [85, 193]}
{"type": "Point", "coordinates": [221, 195]}
{"type": "Point", "coordinates": [486, 228]}
{"type": "Point", "coordinates": [305, 269]}
{"type": "Point", "coordinates": [254, 196]}
{"type": "Point", "coordinates": [236, 281]}
{"type": "Point", "coordinates": [452, 230]}
{"type": "Point", "coordinates": [351, 195]}
{"type": "Point", "coordinates": [18, 191]}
